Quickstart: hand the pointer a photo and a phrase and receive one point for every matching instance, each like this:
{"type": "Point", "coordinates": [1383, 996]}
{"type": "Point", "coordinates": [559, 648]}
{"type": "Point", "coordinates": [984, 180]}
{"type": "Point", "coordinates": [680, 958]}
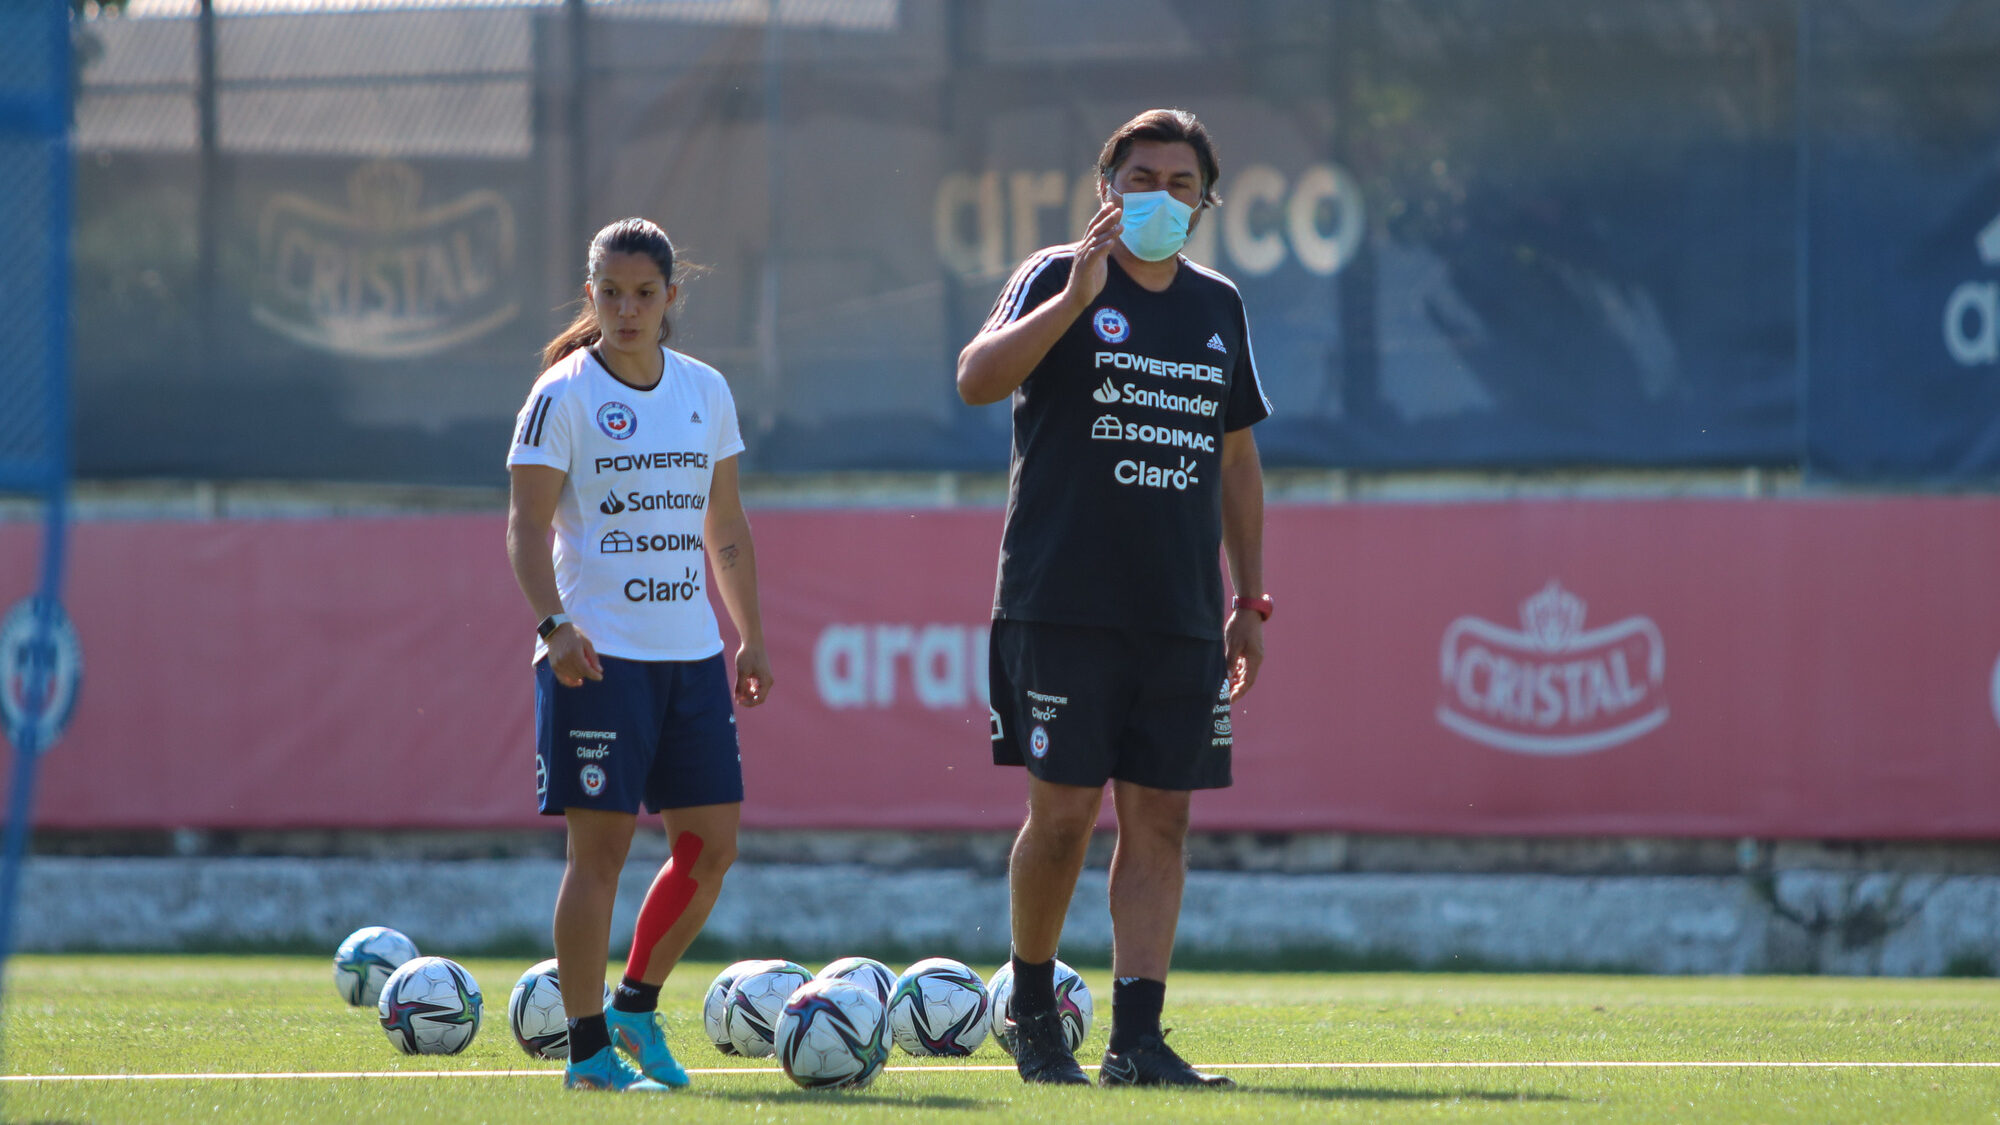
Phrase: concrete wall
{"type": "Point", "coordinates": [1861, 922]}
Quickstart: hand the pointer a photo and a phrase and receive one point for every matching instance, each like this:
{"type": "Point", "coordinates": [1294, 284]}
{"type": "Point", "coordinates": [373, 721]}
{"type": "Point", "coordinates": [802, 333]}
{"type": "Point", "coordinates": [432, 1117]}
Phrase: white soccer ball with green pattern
{"type": "Point", "coordinates": [864, 971]}
{"type": "Point", "coordinates": [939, 1008]}
{"type": "Point", "coordinates": [362, 964]}
{"type": "Point", "coordinates": [832, 1034]}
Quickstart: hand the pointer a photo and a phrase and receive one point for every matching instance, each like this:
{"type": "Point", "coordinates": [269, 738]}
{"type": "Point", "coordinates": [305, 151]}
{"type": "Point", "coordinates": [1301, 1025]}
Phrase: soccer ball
{"type": "Point", "coordinates": [535, 1012]}
{"type": "Point", "coordinates": [832, 1034]}
{"type": "Point", "coordinates": [939, 1008]}
{"type": "Point", "coordinates": [754, 1002]}
{"type": "Point", "coordinates": [1073, 1006]}
{"type": "Point", "coordinates": [715, 1006]}
{"type": "Point", "coordinates": [430, 1006]}
{"type": "Point", "coordinates": [366, 959]}
{"type": "Point", "coordinates": [864, 971]}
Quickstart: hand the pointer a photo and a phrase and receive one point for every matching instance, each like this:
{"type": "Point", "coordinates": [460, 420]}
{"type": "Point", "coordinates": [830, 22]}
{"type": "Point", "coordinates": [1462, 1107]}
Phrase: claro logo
{"type": "Point", "coordinates": [1552, 687]}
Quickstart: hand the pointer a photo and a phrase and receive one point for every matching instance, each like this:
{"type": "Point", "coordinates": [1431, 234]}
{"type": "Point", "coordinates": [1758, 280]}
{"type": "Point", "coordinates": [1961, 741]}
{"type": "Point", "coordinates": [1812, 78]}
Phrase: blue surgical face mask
{"type": "Point", "coordinates": [1155, 224]}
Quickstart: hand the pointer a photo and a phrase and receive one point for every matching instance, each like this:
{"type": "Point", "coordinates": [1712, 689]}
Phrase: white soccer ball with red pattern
{"type": "Point", "coordinates": [1074, 1006]}
{"type": "Point", "coordinates": [430, 1006]}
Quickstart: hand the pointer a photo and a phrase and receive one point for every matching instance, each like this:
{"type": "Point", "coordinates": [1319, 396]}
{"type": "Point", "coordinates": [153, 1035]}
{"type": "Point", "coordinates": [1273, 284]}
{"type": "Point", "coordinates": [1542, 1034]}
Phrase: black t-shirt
{"type": "Point", "coordinates": [1114, 494]}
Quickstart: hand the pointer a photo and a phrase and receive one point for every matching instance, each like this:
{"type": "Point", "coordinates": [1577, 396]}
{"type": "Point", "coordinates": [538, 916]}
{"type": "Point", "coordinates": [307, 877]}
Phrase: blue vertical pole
{"type": "Point", "coordinates": [40, 664]}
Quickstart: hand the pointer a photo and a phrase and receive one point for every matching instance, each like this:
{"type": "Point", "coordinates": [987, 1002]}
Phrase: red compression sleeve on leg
{"type": "Point", "coordinates": [666, 900]}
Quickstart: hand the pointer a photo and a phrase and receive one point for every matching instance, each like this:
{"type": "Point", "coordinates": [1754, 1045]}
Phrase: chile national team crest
{"type": "Point", "coordinates": [617, 420]}
{"type": "Point", "coordinates": [1110, 325]}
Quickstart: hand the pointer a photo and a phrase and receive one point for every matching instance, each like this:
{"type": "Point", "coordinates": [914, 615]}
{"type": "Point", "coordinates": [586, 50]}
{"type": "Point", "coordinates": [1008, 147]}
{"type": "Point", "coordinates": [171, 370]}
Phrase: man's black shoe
{"type": "Point", "coordinates": [1042, 1054]}
{"type": "Point", "coordinates": [1151, 1062]}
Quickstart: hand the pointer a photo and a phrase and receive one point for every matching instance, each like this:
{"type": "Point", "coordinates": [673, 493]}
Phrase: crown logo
{"type": "Point", "coordinates": [383, 194]}
{"type": "Point", "coordinates": [1552, 617]}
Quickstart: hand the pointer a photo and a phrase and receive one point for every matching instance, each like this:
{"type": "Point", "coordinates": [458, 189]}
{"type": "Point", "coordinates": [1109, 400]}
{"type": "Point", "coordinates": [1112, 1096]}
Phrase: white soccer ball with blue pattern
{"type": "Point", "coordinates": [430, 1006]}
{"type": "Point", "coordinates": [939, 1008]}
{"type": "Point", "coordinates": [535, 1012]}
{"type": "Point", "coordinates": [832, 1035]}
{"type": "Point", "coordinates": [1073, 1005]}
{"type": "Point", "coordinates": [364, 961]}
{"type": "Point", "coordinates": [754, 1003]}
{"type": "Point", "coordinates": [866, 972]}
{"type": "Point", "coordinates": [715, 1006]}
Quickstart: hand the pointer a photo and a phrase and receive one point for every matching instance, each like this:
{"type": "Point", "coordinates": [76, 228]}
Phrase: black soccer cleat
{"type": "Point", "coordinates": [1152, 1063]}
{"type": "Point", "coordinates": [1042, 1054]}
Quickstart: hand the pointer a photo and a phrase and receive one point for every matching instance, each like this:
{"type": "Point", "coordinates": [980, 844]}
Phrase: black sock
{"type": "Point", "coordinates": [587, 1036]}
{"type": "Point", "coordinates": [1034, 987]}
{"type": "Point", "coordinates": [636, 996]}
{"type": "Point", "coordinates": [1135, 1011]}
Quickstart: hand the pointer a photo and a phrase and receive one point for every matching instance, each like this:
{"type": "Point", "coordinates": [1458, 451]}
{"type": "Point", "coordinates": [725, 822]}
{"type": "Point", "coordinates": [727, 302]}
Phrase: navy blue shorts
{"type": "Point", "coordinates": [659, 730]}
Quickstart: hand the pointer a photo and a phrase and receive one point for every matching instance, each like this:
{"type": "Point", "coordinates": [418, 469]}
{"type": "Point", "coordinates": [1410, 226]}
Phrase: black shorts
{"type": "Point", "coordinates": [1079, 705]}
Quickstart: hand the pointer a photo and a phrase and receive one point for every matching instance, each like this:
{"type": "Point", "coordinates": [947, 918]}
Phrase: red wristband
{"type": "Point", "coordinates": [1261, 603]}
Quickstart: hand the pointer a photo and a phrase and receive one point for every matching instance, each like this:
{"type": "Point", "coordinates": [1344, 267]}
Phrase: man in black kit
{"type": "Point", "coordinates": [1134, 390]}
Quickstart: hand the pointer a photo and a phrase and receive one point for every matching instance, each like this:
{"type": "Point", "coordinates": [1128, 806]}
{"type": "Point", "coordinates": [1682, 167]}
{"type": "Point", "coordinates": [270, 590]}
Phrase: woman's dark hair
{"type": "Point", "coordinates": [626, 236]}
{"type": "Point", "coordinates": [1168, 125]}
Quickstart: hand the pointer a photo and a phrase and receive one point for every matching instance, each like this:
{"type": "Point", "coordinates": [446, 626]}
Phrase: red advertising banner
{"type": "Point", "coordinates": [1804, 668]}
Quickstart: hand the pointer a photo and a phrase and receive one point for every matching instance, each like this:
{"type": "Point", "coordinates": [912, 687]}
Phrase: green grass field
{"type": "Point", "coordinates": [1453, 1045]}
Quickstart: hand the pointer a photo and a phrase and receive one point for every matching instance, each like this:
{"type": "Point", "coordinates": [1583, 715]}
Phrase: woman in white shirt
{"type": "Point", "coordinates": [627, 451]}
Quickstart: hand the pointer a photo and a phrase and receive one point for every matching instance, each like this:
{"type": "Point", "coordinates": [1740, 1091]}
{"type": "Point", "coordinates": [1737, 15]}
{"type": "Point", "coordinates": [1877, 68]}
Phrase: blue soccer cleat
{"type": "Point", "coordinates": [638, 1034]}
{"type": "Point", "coordinates": [606, 1071]}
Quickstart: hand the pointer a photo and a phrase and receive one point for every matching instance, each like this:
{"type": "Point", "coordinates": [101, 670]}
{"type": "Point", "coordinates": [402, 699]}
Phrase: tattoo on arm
{"type": "Point", "coordinates": [729, 554]}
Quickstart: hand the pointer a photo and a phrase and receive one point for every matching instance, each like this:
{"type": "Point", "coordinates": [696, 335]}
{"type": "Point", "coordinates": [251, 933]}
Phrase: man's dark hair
{"type": "Point", "coordinates": [1169, 125]}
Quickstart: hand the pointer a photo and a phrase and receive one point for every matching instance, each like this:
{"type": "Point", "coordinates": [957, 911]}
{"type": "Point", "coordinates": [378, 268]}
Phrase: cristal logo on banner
{"type": "Point", "coordinates": [1552, 687]}
{"type": "Point", "coordinates": [384, 275]}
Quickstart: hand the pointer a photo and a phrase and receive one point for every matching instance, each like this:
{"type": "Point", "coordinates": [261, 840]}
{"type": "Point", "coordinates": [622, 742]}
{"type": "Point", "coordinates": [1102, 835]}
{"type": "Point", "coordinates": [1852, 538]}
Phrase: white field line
{"type": "Point", "coordinates": [728, 1071]}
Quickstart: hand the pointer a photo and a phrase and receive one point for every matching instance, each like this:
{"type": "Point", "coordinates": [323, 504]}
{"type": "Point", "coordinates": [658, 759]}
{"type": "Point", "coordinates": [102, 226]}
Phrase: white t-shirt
{"type": "Point", "coordinates": [629, 558]}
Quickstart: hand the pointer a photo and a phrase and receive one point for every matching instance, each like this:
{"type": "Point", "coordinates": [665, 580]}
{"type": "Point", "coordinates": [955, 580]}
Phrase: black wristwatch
{"type": "Point", "coordinates": [550, 624]}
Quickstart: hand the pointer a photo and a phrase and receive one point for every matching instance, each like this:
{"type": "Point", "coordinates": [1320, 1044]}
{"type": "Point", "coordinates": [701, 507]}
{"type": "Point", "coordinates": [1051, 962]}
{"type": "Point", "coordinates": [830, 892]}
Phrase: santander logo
{"type": "Point", "coordinates": [1552, 687]}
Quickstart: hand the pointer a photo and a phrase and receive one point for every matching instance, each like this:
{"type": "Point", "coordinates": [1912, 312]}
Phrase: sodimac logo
{"type": "Point", "coordinates": [1552, 687]}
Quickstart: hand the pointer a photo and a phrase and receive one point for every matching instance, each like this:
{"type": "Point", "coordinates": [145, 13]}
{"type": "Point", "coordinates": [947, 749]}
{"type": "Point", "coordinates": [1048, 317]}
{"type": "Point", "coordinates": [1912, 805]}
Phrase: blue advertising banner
{"type": "Point", "coordinates": [1904, 282]}
{"type": "Point", "coordinates": [322, 244]}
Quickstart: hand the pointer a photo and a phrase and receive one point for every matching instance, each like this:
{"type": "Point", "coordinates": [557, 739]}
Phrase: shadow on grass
{"type": "Point", "coordinates": [797, 1096]}
{"type": "Point", "coordinates": [1379, 1094]}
